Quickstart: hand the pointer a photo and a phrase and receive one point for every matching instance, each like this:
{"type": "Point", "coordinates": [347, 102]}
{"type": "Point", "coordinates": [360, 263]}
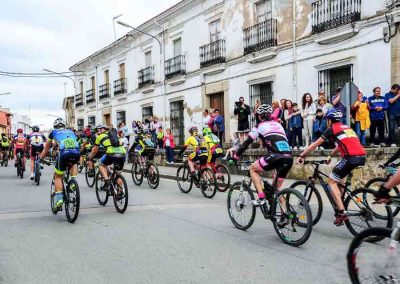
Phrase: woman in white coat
{"type": "Point", "coordinates": [308, 113]}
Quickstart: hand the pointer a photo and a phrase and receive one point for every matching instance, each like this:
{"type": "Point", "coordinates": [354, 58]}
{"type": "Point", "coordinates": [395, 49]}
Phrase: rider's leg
{"type": "Point", "coordinates": [73, 170]}
{"type": "Point", "coordinates": [255, 171]}
{"type": "Point", "coordinates": [58, 187]}
{"type": "Point", "coordinates": [336, 194]}
{"type": "Point", "coordinates": [191, 165]}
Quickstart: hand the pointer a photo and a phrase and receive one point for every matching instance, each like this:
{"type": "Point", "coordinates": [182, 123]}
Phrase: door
{"type": "Point", "coordinates": [93, 82]}
{"type": "Point", "coordinates": [147, 59]}
{"type": "Point", "coordinates": [217, 101]}
{"type": "Point", "coordinates": [177, 123]}
{"type": "Point", "coordinates": [106, 77]}
{"type": "Point", "coordinates": [122, 70]}
{"type": "Point", "coordinates": [107, 119]}
{"type": "Point", "coordinates": [177, 47]}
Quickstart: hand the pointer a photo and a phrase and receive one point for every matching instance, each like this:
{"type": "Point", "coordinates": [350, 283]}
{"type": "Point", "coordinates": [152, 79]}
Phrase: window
{"type": "Point", "coordinates": [92, 120]}
{"type": "Point", "coordinates": [122, 70]}
{"type": "Point", "coordinates": [121, 117]}
{"type": "Point", "coordinates": [177, 47]}
{"type": "Point", "coordinates": [106, 77]}
{"type": "Point", "coordinates": [263, 11]}
{"type": "Point", "coordinates": [147, 59]}
{"type": "Point", "coordinates": [80, 122]}
{"type": "Point", "coordinates": [331, 79]}
{"type": "Point", "coordinates": [81, 87]}
{"type": "Point", "coordinates": [147, 112]}
{"type": "Point", "coordinates": [215, 30]}
{"type": "Point", "coordinates": [93, 83]}
{"type": "Point", "coordinates": [262, 92]}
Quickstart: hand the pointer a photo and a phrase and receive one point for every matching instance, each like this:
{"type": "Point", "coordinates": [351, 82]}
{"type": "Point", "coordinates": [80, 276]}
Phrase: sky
{"type": "Point", "coordinates": [55, 34]}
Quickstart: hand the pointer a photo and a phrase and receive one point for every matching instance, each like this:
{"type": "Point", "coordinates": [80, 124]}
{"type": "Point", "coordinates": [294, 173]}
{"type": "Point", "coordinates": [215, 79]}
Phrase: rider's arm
{"type": "Point", "coordinates": [312, 147]}
{"type": "Point", "coordinates": [46, 149]}
{"type": "Point", "coordinates": [393, 158]}
{"type": "Point", "coordinates": [334, 152]}
{"type": "Point", "coordinates": [244, 146]}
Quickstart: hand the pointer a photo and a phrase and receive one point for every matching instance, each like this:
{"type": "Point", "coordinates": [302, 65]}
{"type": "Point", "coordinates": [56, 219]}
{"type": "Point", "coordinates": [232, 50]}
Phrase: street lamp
{"type": "Point", "coordinates": [3, 94]}
{"type": "Point", "coordinates": [114, 18]}
{"type": "Point", "coordinates": [162, 62]}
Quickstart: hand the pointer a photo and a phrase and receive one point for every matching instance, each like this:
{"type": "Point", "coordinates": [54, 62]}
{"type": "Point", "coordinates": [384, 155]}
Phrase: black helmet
{"type": "Point", "coordinates": [35, 128]}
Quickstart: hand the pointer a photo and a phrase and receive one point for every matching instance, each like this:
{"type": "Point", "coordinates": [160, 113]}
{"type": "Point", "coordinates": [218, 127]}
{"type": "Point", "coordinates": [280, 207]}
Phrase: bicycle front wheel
{"type": "Point", "coordinates": [208, 183]}
{"type": "Point", "coordinates": [90, 181]}
{"type": "Point", "coordinates": [223, 177]}
{"type": "Point", "coordinates": [373, 262]}
{"type": "Point", "coordinates": [72, 201]}
{"type": "Point", "coordinates": [292, 217]}
{"type": "Point", "coordinates": [184, 180]}
{"type": "Point", "coordinates": [101, 192]}
{"type": "Point", "coordinates": [137, 173]}
{"type": "Point", "coordinates": [375, 183]}
{"type": "Point", "coordinates": [120, 193]}
{"type": "Point", "coordinates": [241, 210]}
{"type": "Point", "coordinates": [153, 176]}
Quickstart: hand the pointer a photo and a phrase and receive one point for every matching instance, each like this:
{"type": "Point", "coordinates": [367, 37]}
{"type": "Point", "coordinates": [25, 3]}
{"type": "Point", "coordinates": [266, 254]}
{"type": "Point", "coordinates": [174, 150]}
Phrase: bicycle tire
{"type": "Point", "coordinates": [37, 173]}
{"type": "Point", "coordinates": [240, 204]}
{"type": "Point", "coordinates": [152, 179]}
{"type": "Point", "coordinates": [72, 196]}
{"type": "Point", "coordinates": [292, 219]}
{"type": "Point", "coordinates": [183, 176]}
{"type": "Point", "coordinates": [366, 213]}
{"type": "Point", "coordinates": [309, 192]}
{"type": "Point", "coordinates": [117, 201]}
{"type": "Point", "coordinates": [354, 248]}
{"type": "Point", "coordinates": [5, 162]}
{"type": "Point", "coordinates": [137, 173]}
{"type": "Point", "coordinates": [90, 181]}
{"type": "Point", "coordinates": [381, 180]}
{"type": "Point", "coordinates": [52, 195]}
{"type": "Point", "coordinates": [101, 195]}
{"type": "Point", "coordinates": [208, 183]}
{"type": "Point", "coordinates": [222, 186]}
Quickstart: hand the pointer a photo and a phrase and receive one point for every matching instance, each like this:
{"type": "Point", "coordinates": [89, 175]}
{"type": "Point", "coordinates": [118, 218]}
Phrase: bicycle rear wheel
{"type": "Point", "coordinates": [241, 210]}
{"type": "Point", "coordinates": [292, 217]}
{"type": "Point", "coordinates": [37, 173]}
{"type": "Point", "coordinates": [52, 196]}
{"type": "Point", "coordinates": [101, 193]}
{"type": "Point", "coordinates": [137, 173]}
{"type": "Point", "coordinates": [120, 193]}
{"type": "Point", "coordinates": [153, 176]}
{"type": "Point", "coordinates": [90, 181]}
{"type": "Point", "coordinates": [208, 183]}
{"type": "Point", "coordinates": [183, 178]}
{"type": "Point", "coordinates": [72, 200]}
{"type": "Point", "coordinates": [223, 177]}
{"type": "Point", "coordinates": [375, 183]}
{"type": "Point", "coordinates": [373, 262]}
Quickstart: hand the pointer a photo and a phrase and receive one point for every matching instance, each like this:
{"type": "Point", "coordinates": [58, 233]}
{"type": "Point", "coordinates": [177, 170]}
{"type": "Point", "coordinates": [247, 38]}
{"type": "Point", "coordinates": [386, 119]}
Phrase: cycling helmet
{"type": "Point", "coordinates": [58, 123]}
{"type": "Point", "coordinates": [35, 128]}
{"type": "Point", "coordinates": [207, 131]}
{"type": "Point", "coordinates": [334, 115]}
{"type": "Point", "coordinates": [102, 126]}
{"type": "Point", "coordinates": [193, 129]}
{"type": "Point", "coordinates": [20, 130]}
{"type": "Point", "coordinates": [265, 111]}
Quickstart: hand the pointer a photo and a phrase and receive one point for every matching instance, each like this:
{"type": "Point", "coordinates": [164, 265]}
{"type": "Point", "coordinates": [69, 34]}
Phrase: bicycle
{"type": "Point", "coordinates": [20, 166]}
{"type": "Point", "coordinates": [223, 176]}
{"type": "Point", "coordinates": [142, 167]}
{"type": "Point", "coordinates": [90, 180]}
{"type": "Point", "coordinates": [378, 262]}
{"type": "Point", "coordinates": [117, 188]}
{"type": "Point", "coordinates": [204, 178]}
{"type": "Point", "coordinates": [287, 209]}
{"type": "Point", "coordinates": [36, 169]}
{"type": "Point", "coordinates": [83, 165]}
{"type": "Point", "coordinates": [355, 202]}
{"type": "Point", "coordinates": [4, 160]}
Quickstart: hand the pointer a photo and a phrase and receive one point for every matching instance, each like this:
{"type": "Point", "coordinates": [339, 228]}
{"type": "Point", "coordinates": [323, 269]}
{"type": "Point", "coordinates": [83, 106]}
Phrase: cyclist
{"type": "Point", "coordinates": [115, 152]}
{"type": "Point", "coordinates": [279, 155]}
{"type": "Point", "coordinates": [68, 156]}
{"type": "Point", "coordinates": [88, 144]}
{"type": "Point", "coordinates": [143, 145]}
{"type": "Point", "coordinates": [36, 140]}
{"type": "Point", "coordinates": [20, 142]}
{"type": "Point", "coordinates": [351, 150]}
{"type": "Point", "coordinates": [4, 145]}
{"type": "Point", "coordinates": [212, 143]}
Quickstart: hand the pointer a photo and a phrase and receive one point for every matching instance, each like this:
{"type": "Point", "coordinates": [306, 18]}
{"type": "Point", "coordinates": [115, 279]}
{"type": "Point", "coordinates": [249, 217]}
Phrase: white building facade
{"type": "Point", "coordinates": [211, 52]}
{"type": "Point", "coordinates": [20, 121]}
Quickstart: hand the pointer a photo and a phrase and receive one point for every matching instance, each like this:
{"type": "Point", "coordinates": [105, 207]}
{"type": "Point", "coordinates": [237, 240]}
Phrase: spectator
{"type": "Point", "coordinates": [276, 114]}
{"type": "Point", "coordinates": [235, 146]}
{"type": "Point", "coordinates": [338, 105]}
{"type": "Point", "coordinates": [256, 106]}
{"type": "Point", "coordinates": [287, 115]}
{"type": "Point", "coordinates": [218, 125]}
{"type": "Point", "coordinates": [160, 138]}
{"type": "Point", "coordinates": [124, 129]}
{"type": "Point", "coordinates": [282, 113]}
{"type": "Point", "coordinates": [377, 107]}
{"type": "Point", "coordinates": [308, 115]}
{"type": "Point", "coordinates": [206, 118]}
{"type": "Point", "coordinates": [125, 143]}
{"type": "Point", "coordinates": [392, 99]}
{"type": "Point", "coordinates": [296, 126]}
{"type": "Point", "coordinates": [169, 146]}
{"type": "Point", "coordinates": [323, 105]}
{"type": "Point", "coordinates": [146, 124]}
{"type": "Point", "coordinates": [242, 110]}
{"type": "Point", "coordinates": [319, 125]}
{"type": "Point", "coordinates": [154, 128]}
{"type": "Point", "coordinates": [361, 117]}
{"type": "Point", "coordinates": [211, 120]}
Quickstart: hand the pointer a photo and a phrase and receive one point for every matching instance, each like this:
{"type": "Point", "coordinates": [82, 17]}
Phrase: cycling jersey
{"type": "Point", "coordinates": [214, 149]}
{"type": "Point", "coordinates": [192, 141]}
{"type": "Point", "coordinates": [69, 149]}
{"type": "Point", "coordinates": [20, 141]}
{"type": "Point", "coordinates": [36, 139]}
{"type": "Point", "coordinates": [345, 139]}
{"type": "Point", "coordinates": [5, 143]}
{"type": "Point", "coordinates": [104, 140]}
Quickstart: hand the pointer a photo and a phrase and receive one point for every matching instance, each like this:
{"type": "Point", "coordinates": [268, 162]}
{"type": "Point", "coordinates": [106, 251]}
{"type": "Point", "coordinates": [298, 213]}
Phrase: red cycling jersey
{"type": "Point", "coordinates": [20, 141]}
{"type": "Point", "coordinates": [345, 138]}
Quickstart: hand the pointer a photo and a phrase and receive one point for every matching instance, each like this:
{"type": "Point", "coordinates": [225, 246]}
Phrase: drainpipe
{"type": "Point", "coordinates": [162, 73]}
{"type": "Point", "coordinates": [294, 22]}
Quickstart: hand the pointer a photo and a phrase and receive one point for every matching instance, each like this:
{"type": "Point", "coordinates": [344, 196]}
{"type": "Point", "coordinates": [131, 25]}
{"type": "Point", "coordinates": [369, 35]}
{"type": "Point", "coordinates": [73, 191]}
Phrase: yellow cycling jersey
{"type": "Point", "coordinates": [5, 142]}
{"type": "Point", "coordinates": [104, 140]}
{"type": "Point", "coordinates": [192, 141]}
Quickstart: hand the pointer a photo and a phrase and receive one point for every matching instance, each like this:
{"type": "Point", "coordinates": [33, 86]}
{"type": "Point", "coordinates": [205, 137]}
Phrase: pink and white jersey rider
{"type": "Point", "coordinates": [273, 136]}
{"type": "Point", "coordinates": [36, 139]}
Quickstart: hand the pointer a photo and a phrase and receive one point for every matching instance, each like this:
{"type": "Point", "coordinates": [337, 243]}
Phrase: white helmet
{"type": "Point", "coordinates": [265, 111]}
{"type": "Point", "coordinates": [59, 123]}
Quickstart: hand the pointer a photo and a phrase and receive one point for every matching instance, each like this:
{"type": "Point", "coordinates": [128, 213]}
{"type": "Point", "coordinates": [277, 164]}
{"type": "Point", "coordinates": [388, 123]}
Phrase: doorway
{"type": "Point", "coordinates": [107, 119]}
{"type": "Point", "coordinates": [217, 102]}
{"type": "Point", "coordinates": [177, 122]}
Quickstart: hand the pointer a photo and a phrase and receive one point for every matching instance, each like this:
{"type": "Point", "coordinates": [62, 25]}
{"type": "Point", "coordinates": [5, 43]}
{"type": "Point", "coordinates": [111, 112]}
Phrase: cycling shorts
{"type": "Point", "coordinates": [216, 152]}
{"type": "Point", "coordinates": [282, 163]}
{"type": "Point", "coordinates": [20, 150]}
{"type": "Point", "coordinates": [117, 160]}
{"type": "Point", "coordinates": [36, 149]}
{"type": "Point", "coordinates": [4, 148]}
{"type": "Point", "coordinates": [66, 159]}
{"type": "Point", "coordinates": [201, 155]}
{"type": "Point", "coordinates": [345, 166]}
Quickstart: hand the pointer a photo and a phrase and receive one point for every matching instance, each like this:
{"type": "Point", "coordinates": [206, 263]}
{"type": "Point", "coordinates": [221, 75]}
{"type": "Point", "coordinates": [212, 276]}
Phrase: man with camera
{"type": "Point", "coordinates": [242, 111]}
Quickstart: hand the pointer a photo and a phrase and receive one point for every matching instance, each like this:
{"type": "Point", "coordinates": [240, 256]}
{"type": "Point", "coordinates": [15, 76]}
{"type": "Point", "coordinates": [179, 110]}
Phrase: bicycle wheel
{"type": "Point", "coordinates": [153, 176]}
{"type": "Point", "coordinates": [37, 173]}
{"type": "Point", "coordinates": [363, 213]}
{"type": "Point", "coordinates": [208, 183]}
{"type": "Point", "coordinates": [137, 173]}
{"type": "Point", "coordinates": [72, 200]}
{"type": "Point", "coordinates": [373, 263]}
{"type": "Point", "coordinates": [375, 183]}
{"type": "Point", "coordinates": [120, 193]}
{"type": "Point", "coordinates": [52, 195]}
{"type": "Point", "coordinates": [184, 180]}
{"type": "Point", "coordinates": [241, 210]}
{"type": "Point", "coordinates": [5, 162]}
{"type": "Point", "coordinates": [101, 194]}
{"type": "Point", "coordinates": [223, 177]}
{"type": "Point", "coordinates": [292, 217]}
{"type": "Point", "coordinates": [313, 197]}
{"type": "Point", "coordinates": [90, 181]}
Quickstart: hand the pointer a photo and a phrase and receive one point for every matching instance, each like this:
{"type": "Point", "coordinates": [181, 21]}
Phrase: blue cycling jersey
{"type": "Point", "coordinates": [65, 138]}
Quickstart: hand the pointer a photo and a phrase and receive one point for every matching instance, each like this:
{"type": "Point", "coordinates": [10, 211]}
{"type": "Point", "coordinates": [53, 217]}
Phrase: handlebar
{"type": "Point", "coordinates": [45, 162]}
{"type": "Point", "coordinates": [320, 162]}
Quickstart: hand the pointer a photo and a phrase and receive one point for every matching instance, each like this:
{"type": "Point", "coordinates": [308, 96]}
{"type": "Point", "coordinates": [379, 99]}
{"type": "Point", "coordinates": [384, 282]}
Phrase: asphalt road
{"type": "Point", "coordinates": [165, 236]}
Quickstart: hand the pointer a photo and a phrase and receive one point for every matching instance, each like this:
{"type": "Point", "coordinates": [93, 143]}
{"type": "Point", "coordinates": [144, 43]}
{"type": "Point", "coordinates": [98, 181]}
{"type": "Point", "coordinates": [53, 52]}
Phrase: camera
{"type": "Point", "coordinates": [237, 104]}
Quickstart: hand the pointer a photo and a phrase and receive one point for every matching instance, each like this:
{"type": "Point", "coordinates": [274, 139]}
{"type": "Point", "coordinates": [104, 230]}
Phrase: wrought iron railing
{"type": "Point", "coordinates": [329, 14]}
{"type": "Point", "coordinates": [90, 96]}
{"type": "Point", "coordinates": [120, 86]}
{"type": "Point", "coordinates": [175, 66]}
{"type": "Point", "coordinates": [146, 76]}
{"type": "Point", "coordinates": [260, 36]}
{"type": "Point", "coordinates": [78, 100]}
{"type": "Point", "coordinates": [104, 91]}
{"type": "Point", "coordinates": [212, 53]}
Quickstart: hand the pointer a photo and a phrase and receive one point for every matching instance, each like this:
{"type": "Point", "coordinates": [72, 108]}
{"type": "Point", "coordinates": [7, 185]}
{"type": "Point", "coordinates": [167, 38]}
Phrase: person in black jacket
{"type": "Point", "coordinates": [242, 111]}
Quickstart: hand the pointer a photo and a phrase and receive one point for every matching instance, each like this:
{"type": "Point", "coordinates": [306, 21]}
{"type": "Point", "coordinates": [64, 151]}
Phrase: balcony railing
{"type": "Point", "coordinates": [78, 100]}
{"type": "Point", "coordinates": [212, 53]}
{"type": "Point", "coordinates": [329, 14]}
{"type": "Point", "coordinates": [260, 36]}
{"type": "Point", "coordinates": [90, 96]}
{"type": "Point", "coordinates": [175, 66]}
{"type": "Point", "coordinates": [120, 86]}
{"type": "Point", "coordinates": [104, 91]}
{"type": "Point", "coordinates": [146, 76]}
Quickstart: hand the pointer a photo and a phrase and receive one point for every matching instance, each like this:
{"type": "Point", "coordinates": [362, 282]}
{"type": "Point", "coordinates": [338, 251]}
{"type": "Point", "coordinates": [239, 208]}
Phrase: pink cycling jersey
{"type": "Point", "coordinates": [273, 136]}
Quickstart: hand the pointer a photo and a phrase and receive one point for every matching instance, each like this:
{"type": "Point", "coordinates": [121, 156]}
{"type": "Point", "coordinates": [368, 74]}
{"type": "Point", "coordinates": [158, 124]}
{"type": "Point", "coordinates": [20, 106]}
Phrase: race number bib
{"type": "Point", "coordinates": [350, 133]}
{"type": "Point", "coordinates": [282, 146]}
{"type": "Point", "coordinates": [69, 144]}
{"type": "Point", "coordinates": [218, 151]}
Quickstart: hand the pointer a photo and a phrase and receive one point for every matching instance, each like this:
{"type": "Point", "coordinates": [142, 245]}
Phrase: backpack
{"type": "Point", "coordinates": [215, 139]}
{"type": "Point", "coordinates": [114, 139]}
{"type": "Point", "coordinates": [160, 135]}
{"type": "Point", "coordinates": [87, 132]}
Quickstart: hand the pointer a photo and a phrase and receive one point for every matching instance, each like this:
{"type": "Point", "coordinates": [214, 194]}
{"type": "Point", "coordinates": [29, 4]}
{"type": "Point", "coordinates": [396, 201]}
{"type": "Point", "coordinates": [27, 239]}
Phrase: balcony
{"type": "Point", "coordinates": [260, 36]}
{"type": "Point", "coordinates": [120, 86]}
{"type": "Point", "coordinates": [175, 66]}
{"type": "Point", "coordinates": [90, 96]}
{"type": "Point", "coordinates": [146, 76]}
{"type": "Point", "coordinates": [329, 14]}
{"type": "Point", "coordinates": [78, 100]}
{"type": "Point", "coordinates": [104, 92]}
{"type": "Point", "coordinates": [212, 53]}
